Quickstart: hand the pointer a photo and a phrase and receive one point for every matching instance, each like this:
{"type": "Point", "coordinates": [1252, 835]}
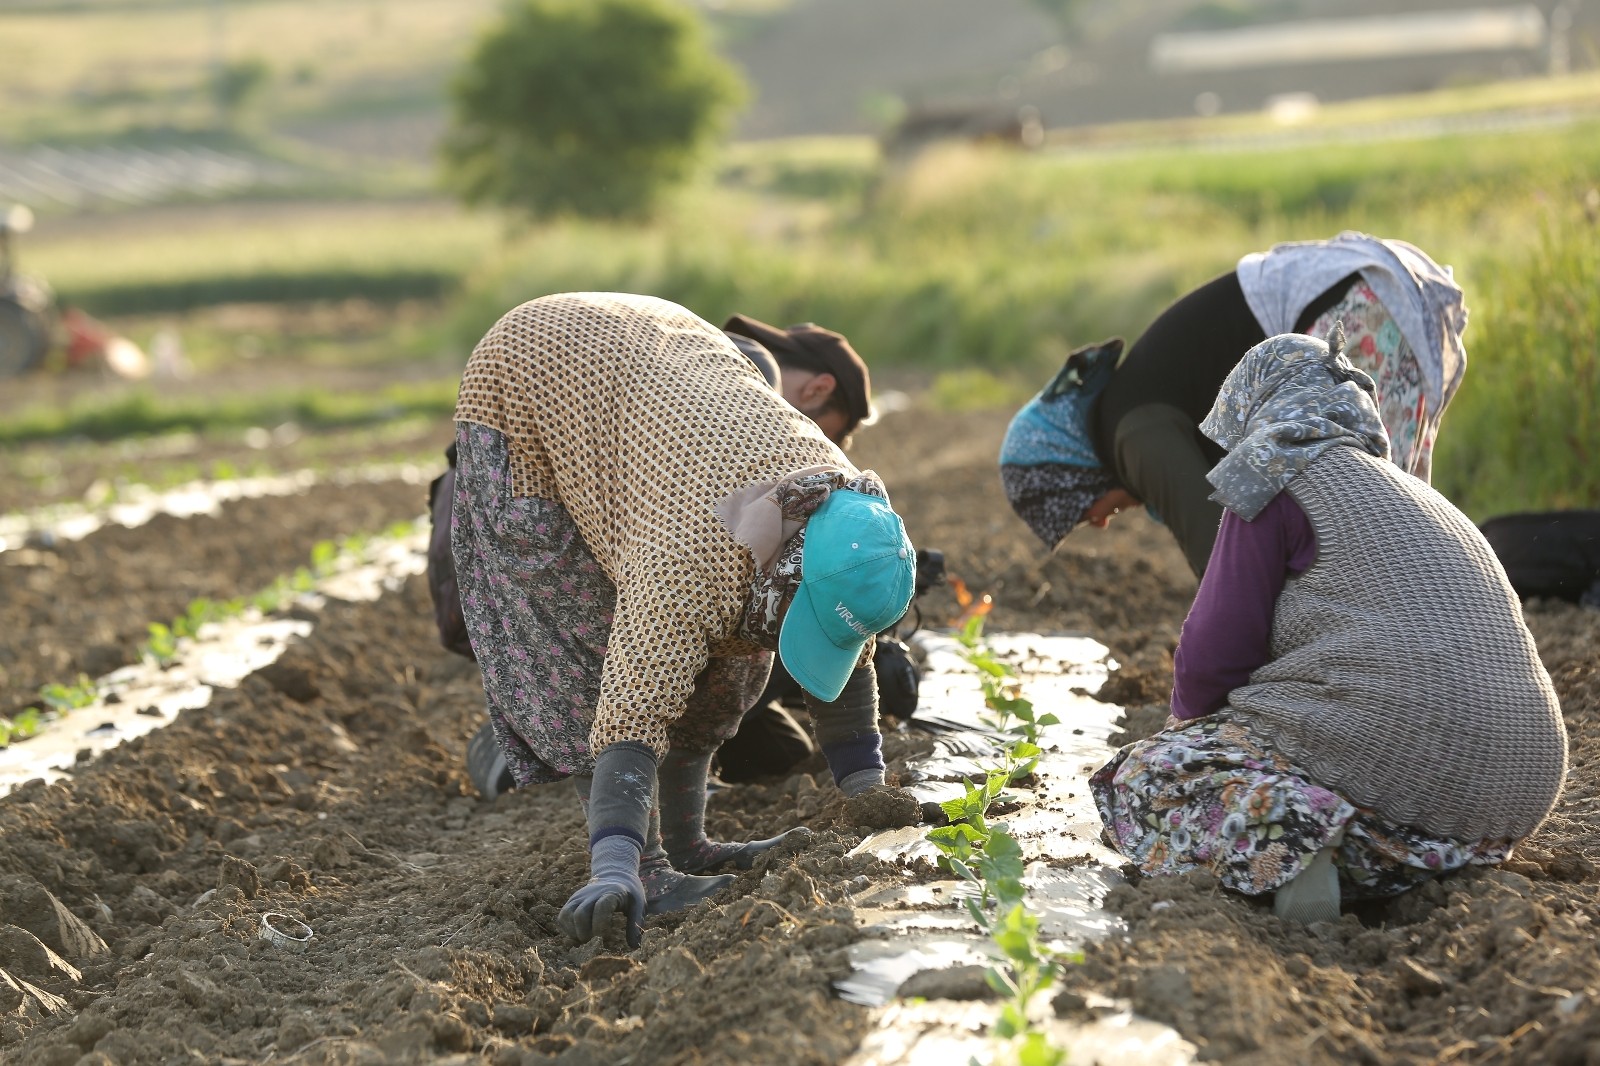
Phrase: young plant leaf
{"type": "Point", "coordinates": [1036, 1050]}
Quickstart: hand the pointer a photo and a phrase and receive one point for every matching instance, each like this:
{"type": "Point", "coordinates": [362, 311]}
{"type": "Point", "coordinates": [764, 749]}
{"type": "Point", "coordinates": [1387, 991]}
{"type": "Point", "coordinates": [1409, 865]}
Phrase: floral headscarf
{"type": "Point", "coordinates": [777, 581]}
{"type": "Point", "coordinates": [1053, 498]}
{"type": "Point", "coordinates": [1290, 399]}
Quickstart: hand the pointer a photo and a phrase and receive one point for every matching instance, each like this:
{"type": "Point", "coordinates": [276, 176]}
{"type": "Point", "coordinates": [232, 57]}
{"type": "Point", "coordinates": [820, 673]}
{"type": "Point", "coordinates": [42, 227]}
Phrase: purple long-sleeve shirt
{"type": "Point", "coordinates": [1228, 633]}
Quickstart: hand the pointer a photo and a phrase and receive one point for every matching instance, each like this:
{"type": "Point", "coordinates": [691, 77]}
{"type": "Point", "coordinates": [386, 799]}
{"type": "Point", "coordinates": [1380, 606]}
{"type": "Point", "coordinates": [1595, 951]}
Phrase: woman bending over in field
{"type": "Point", "coordinates": [1105, 436]}
{"type": "Point", "coordinates": [638, 521]}
{"type": "Point", "coordinates": [1356, 705]}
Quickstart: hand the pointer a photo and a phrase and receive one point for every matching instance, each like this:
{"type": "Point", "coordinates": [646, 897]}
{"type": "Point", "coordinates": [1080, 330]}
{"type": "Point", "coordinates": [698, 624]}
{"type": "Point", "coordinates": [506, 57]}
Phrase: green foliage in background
{"type": "Point", "coordinates": [235, 84]}
{"type": "Point", "coordinates": [978, 269]}
{"type": "Point", "coordinates": [984, 268]}
{"type": "Point", "coordinates": [143, 413]}
{"type": "Point", "coordinates": [589, 107]}
{"type": "Point", "coordinates": [267, 286]}
{"type": "Point", "coordinates": [1524, 431]}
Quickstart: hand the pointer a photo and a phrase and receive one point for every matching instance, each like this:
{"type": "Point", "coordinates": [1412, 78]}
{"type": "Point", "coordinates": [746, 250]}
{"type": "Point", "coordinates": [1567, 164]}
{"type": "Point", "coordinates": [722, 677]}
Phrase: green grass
{"type": "Point", "coordinates": [100, 68]}
{"type": "Point", "coordinates": [1524, 432]}
{"type": "Point", "coordinates": [988, 266]}
{"type": "Point", "coordinates": [144, 413]}
{"type": "Point", "coordinates": [176, 259]}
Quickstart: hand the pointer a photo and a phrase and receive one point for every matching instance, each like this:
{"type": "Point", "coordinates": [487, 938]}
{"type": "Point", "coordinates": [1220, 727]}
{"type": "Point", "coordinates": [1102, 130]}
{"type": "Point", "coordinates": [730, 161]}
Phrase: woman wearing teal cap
{"type": "Point", "coordinates": [638, 522]}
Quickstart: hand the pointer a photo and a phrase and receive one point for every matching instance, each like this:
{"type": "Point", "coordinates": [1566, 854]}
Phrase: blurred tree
{"type": "Point", "coordinates": [590, 107]}
{"type": "Point", "coordinates": [235, 84]}
{"type": "Point", "coordinates": [1065, 13]}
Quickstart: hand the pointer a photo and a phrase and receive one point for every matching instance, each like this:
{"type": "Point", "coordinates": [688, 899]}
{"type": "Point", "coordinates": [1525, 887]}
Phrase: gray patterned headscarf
{"type": "Point", "coordinates": [1290, 399]}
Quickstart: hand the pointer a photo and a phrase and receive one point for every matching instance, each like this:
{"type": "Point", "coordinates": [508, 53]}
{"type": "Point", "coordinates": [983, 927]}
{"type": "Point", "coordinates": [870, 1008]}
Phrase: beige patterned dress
{"type": "Point", "coordinates": [603, 595]}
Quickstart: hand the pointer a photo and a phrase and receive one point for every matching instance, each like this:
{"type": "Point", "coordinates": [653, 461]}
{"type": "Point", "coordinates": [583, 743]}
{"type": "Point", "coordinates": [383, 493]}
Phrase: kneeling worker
{"type": "Point", "coordinates": [637, 521]}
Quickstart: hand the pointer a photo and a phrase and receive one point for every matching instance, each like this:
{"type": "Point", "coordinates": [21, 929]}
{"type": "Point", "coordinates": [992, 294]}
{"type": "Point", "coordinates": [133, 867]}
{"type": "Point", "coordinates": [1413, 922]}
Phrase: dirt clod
{"type": "Point", "coordinates": [957, 982]}
{"type": "Point", "coordinates": [883, 807]}
{"type": "Point", "coordinates": [240, 875]}
{"type": "Point", "coordinates": [1418, 979]}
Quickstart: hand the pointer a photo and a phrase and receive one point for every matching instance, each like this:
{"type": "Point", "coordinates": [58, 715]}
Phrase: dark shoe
{"type": "Point", "coordinates": [486, 764]}
{"type": "Point", "coordinates": [686, 892]}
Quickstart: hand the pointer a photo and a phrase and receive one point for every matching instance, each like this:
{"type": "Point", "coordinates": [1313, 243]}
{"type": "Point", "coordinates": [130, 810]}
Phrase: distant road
{"type": "Point", "coordinates": [1087, 139]}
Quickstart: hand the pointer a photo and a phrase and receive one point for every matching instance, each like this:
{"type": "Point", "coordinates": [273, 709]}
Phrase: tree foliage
{"type": "Point", "coordinates": [589, 107]}
{"type": "Point", "coordinates": [1066, 13]}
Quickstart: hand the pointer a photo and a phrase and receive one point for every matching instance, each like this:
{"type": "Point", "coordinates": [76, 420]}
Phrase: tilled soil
{"type": "Point", "coordinates": [330, 786]}
{"type": "Point", "coordinates": [56, 473]}
{"type": "Point", "coordinates": [84, 606]}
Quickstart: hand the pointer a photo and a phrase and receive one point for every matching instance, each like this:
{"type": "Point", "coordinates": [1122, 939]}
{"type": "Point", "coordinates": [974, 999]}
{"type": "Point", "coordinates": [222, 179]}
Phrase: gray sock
{"type": "Point", "coordinates": [1312, 895]}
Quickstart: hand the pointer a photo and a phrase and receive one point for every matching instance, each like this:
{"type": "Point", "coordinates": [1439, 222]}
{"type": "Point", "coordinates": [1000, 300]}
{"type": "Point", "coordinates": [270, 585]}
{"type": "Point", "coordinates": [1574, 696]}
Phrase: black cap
{"type": "Point", "coordinates": [821, 350]}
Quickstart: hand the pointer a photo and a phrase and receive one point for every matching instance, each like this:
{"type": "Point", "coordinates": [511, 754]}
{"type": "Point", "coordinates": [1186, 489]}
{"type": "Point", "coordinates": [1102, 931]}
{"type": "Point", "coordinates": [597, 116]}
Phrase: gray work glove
{"type": "Point", "coordinates": [847, 730]}
{"type": "Point", "coordinates": [622, 794]}
{"type": "Point", "coordinates": [614, 888]}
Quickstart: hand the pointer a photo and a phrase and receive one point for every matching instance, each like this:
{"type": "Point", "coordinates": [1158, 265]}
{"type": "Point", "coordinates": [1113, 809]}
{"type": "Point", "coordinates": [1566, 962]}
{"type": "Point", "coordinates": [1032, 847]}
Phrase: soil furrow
{"type": "Point", "coordinates": [330, 786]}
{"type": "Point", "coordinates": [84, 606]}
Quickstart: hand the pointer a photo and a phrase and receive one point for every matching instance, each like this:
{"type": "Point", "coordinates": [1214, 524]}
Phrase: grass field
{"type": "Point", "coordinates": [92, 68]}
{"type": "Point", "coordinates": [986, 266]}
{"type": "Point", "coordinates": [177, 259]}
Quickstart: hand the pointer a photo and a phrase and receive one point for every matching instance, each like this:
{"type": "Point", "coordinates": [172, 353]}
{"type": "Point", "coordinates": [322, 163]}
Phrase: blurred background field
{"type": "Point", "coordinates": [321, 278]}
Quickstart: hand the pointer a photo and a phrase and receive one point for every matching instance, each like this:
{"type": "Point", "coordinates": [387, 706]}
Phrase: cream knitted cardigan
{"type": "Point", "coordinates": [1402, 675]}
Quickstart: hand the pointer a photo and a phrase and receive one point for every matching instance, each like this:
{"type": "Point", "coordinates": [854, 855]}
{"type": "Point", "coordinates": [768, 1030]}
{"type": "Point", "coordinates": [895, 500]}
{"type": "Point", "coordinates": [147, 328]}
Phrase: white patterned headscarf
{"type": "Point", "coordinates": [1290, 399]}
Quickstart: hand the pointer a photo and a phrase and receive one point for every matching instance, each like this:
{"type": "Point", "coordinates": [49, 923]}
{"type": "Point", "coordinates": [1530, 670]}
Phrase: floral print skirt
{"type": "Point", "coordinates": [538, 609]}
{"type": "Point", "coordinates": [1208, 795]}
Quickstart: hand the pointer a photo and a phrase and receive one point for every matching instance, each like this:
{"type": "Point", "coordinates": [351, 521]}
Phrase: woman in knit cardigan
{"type": "Point", "coordinates": [1357, 705]}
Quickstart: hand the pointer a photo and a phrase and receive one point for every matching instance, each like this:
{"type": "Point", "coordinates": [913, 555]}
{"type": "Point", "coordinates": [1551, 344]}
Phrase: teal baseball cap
{"type": "Point", "coordinates": [857, 573]}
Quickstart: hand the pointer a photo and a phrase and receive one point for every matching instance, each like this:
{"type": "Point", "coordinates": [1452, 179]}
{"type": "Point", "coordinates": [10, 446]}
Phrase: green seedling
{"type": "Point", "coordinates": [989, 857]}
{"type": "Point", "coordinates": [25, 724]}
{"type": "Point", "coordinates": [323, 553]}
{"type": "Point", "coordinates": [162, 647]}
{"type": "Point", "coordinates": [64, 698]}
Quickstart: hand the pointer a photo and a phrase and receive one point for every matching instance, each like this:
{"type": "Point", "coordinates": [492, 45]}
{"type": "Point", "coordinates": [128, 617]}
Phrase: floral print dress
{"type": "Point", "coordinates": [1207, 795]}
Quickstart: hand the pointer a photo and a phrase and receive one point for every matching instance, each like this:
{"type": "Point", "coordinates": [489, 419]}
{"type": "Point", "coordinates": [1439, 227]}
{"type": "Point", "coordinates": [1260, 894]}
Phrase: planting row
{"type": "Point", "coordinates": [85, 606]}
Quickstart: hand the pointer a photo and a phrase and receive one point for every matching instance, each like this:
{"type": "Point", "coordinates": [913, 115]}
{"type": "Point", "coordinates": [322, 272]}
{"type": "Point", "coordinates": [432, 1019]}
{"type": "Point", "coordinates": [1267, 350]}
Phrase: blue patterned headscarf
{"type": "Point", "coordinates": [1048, 463]}
{"type": "Point", "coordinates": [1290, 399]}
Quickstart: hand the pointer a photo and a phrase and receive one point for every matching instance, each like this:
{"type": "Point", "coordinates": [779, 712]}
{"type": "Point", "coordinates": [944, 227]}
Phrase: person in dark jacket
{"type": "Point", "coordinates": [1105, 436]}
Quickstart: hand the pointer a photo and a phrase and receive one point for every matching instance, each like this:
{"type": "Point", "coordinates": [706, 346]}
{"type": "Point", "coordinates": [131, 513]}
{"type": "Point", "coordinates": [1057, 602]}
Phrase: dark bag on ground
{"type": "Point", "coordinates": [1552, 554]}
{"type": "Point", "coordinates": [442, 564]}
